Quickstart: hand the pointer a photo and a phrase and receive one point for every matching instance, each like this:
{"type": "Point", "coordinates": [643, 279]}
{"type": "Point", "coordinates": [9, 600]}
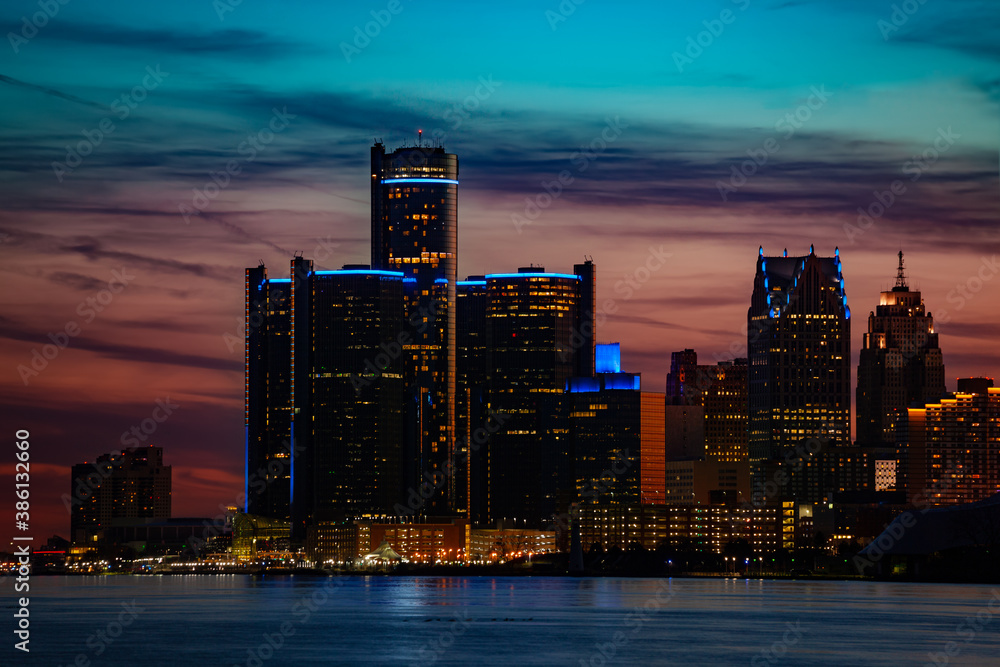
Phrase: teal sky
{"type": "Point", "coordinates": [889, 93]}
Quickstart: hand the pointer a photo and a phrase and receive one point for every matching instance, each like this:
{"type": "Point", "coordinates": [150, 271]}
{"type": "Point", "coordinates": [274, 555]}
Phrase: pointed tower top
{"type": "Point", "coordinates": [900, 276]}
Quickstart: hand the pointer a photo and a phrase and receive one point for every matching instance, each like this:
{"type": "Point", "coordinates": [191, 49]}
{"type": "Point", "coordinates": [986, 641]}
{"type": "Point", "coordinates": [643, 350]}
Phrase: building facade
{"type": "Point", "coordinates": [414, 224]}
{"type": "Point", "coordinates": [134, 484]}
{"type": "Point", "coordinates": [799, 375]}
{"type": "Point", "coordinates": [900, 363]}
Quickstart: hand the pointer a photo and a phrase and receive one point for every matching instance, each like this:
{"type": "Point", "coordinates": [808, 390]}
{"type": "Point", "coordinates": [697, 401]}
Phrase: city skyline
{"type": "Point", "coordinates": [165, 332]}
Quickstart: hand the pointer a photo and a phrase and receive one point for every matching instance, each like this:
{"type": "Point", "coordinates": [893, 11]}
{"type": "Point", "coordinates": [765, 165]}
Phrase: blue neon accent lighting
{"type": "Point", "coordinates": [766, 283]}
{"type": "Point", "coordinates": [448, 181]}
{"type": "Point", "coordinates": [280, 280]}
{"type": "Point", "coordinates": [440, 281]}
{"type": "Point", "coordinates": [582, 385]}
{"type": "Point", "coordinates": [465, 283]}
{"type": "Point", "coordinates": [361, 272]}
{"type": "Point", "coordinates": [608, 358]}
{"type": "Point", "coordinates": [291, 467]}
{"type": "Point", "coordinates": [626, 381]}
{"type": "Point", "coordinates": [847, 309]}
{"type": "Point", "coordinates": [572, 276]}
{"type": "Point", "coordinates": [409, 280]}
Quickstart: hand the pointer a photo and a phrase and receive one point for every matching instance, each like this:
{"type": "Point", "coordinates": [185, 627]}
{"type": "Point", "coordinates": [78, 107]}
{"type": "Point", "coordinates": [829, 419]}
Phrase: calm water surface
{"type": "Point", "coordinates": [224, 620]}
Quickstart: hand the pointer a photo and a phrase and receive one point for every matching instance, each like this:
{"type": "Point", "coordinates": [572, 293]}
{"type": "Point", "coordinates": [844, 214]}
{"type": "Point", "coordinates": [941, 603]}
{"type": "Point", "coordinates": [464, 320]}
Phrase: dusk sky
{"type": "Point", "coordinates": [838, 99]}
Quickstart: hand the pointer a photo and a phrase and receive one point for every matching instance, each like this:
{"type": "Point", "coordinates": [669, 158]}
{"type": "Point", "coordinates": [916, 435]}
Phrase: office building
{"type": "Point", "coordinates": [799, 342]}
{"type": "Point", "coordinates": [900, 363]}
{"type": "Point", "coordinates": [414, 223]}
{"type": "Point", "coordinates": [540, 334]}
{"type": "Point", "coordinates": [131, 485]}
{"type": "Point", "coordinates": [951, 454]}
{"type": "Point", "coordinates": [719, 394]}
{"type": "Point", "coordinates": [267, 403]}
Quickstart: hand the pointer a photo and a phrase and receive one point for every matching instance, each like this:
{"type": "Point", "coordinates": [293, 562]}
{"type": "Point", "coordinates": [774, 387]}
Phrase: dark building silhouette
{"type": "Point", "coordinates": [131, 485]}
{"type": "Point", "coordinates": [414, 201]}
{"type": "Point", "coordinates": [471, 415]}
{"type": "Point", "coordinates": [617, 435]}
{"type": "Point", "coordinates": [799, 342]}
{"type": "Point", "coordinates": [538, 332]}
{"type": "Point", "coordinates": [267, 401]}
{"type": "Point", "coordinates": [900, 363]}
{"type": "Point", "coordinates": [326, 398]}
{"type": "Point", "coordinates": [356, 391]}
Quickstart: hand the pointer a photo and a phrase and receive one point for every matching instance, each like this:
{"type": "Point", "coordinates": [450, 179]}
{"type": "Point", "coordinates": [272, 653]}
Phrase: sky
{"type": "Point", "coordinates": [152, 152]}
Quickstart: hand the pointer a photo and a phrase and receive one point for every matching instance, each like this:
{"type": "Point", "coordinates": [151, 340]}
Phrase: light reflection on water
{"type": "Point", "coordinates": [216, 620]}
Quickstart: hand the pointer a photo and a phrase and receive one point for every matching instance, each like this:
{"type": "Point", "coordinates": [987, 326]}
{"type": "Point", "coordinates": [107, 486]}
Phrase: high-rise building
{"type": "Point", "coordinates": [355, 391]}
{"type": "Point", "coordinates": [721, 393]}
{"type": "Point", "coordinates": [267, 401]}
{"type": "Point", "coordinates": [326, 405]}
{"type": "Point", "coordinates": [799, 341]}
{"type": "Point", "coordinates": [900, 363]}
{"type": "Point", "coordinates": [471, 417]}
{"type": "Point", "coordinates": [414, 202]}
{"type": "Point", "coordinates": [132, 485]}
{"type": "Point", "coordinates": [540, 334]}
{"type": "Point", "coordinates": [951, 453]}
{"type": "Point", "coordinates": [617, 435]}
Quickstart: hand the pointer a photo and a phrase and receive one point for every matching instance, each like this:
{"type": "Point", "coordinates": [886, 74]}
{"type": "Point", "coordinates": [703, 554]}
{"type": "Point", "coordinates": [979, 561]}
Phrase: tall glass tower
{"type": "Point", "coordinates": [799, 375]}
{"type": "Point", "coordinates": [414, 202]}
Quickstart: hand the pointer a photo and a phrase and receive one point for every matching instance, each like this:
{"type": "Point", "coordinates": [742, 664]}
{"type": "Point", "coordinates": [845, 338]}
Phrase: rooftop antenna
{"type": "Point", "coordinates": [900, 276]}
{"type": "Point", "coordinates": [420, 136]}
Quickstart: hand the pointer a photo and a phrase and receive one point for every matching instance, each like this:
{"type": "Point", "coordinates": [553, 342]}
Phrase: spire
{"type": "Point", "coordinates": [900, 276]}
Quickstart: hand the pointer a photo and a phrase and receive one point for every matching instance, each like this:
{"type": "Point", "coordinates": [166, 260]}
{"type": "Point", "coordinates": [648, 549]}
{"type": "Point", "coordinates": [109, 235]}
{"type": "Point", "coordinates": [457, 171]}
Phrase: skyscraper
{"type": "Point", "coordinates": [799, 342]}
{"type": "Point", "coordinates": [541, 333]}
{"type": "Point", "coordinates": [267, 401]}
{"type": "Point", "coordinates": [900, 363]}
{"type": "Point", "coordinates": [355, 391]}
{"type": "Point", "coordinates": [414, 200]}
{"type": "Point", "coordinates": [325, 392]}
